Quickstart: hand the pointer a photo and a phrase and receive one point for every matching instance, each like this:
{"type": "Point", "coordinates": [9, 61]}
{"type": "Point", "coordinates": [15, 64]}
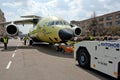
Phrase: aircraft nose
{"type": "Point", "coordinates": [65, 34]}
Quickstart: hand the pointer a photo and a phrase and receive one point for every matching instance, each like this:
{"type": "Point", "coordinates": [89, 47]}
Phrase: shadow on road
{"type": "Point", "coordinates": [13, 48]}
{"type": "Point", "coordinates": [50, 50]}
{"type": "Point", "coordinates": [97, 74]}
{"type": "Point", "coordinates": [44, 48]}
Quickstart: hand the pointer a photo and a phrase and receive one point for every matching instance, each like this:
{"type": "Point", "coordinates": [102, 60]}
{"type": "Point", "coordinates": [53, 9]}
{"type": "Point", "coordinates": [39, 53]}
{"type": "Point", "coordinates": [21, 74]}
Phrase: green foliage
{"type": "Point", "coordinates": [115, 30]}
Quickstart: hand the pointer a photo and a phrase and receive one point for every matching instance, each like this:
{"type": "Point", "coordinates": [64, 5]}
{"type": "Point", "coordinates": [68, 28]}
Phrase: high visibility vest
{"type": "Point", "coordinates": [91, 38]}
{"type": "Point", "coordinates": [25, 38]}
{"type": "Point", "coordinates": [5, 40]}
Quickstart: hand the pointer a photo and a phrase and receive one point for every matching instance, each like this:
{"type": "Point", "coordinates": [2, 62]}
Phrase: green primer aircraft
{"type": "Point", "coordinates": [50, 29]}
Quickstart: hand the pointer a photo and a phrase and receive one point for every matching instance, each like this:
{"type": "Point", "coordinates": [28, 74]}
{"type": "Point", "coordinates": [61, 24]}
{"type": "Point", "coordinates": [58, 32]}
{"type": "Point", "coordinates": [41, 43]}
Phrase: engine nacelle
{"type": "Point", "coordinates": [12, 30]}
{"type": "Point", "coordinates": [77, 31]}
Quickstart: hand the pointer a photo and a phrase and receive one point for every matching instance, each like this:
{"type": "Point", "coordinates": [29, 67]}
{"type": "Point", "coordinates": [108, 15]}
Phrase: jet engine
{"type": "Point", "coordinates": [76, 30]}
{"type": "Point", "coordinates": [12, 30]}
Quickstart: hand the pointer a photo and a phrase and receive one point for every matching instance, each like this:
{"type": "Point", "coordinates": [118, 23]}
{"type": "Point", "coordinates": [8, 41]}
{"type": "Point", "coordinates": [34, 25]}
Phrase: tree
{"type": "Point", "coordinates": [115, 30]}
{"type": "Point", "coordinates": [93, 24]}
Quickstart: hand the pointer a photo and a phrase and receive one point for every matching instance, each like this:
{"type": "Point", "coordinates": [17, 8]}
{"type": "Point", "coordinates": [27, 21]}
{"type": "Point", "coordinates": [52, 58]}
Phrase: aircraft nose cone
{"type": "Point", "coordinates": [65, 34]}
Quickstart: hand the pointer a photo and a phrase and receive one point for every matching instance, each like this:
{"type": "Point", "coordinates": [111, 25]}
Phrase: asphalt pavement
{"type": "Point", "coordinates": [41, 62]}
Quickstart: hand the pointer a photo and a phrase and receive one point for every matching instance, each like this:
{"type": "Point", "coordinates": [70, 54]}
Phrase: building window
{"type": "Point", "coordinates": [101, 25]}
{"type": "Point", "coordinates": [109, 24]}
{"type": "Point", "coordinates": [117, 16]}
{"type": "Point", "coordinates": [101, 19]}
{"type": "Point", "coordinates": [117, 22]}
{"type": "Point", "coordinates": [109, 18]}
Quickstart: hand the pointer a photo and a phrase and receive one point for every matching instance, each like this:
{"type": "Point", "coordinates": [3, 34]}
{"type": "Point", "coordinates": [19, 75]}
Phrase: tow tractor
{"type": "Point", "coordinates": [103, 56]}
{"type": "Point", "coordinates": [67, 48]}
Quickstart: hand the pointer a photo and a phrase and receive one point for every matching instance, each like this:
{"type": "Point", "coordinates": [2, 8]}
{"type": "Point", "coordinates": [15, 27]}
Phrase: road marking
{"type": "Point", "coordinates": [13, 55]}
{"type": "Point", "coordinates": [15, 51]}
{"type": "Point", "coordinates": [9, 64]}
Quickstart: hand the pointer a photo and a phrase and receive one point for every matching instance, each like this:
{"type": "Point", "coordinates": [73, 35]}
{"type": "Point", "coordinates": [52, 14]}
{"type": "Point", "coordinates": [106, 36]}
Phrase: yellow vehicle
{"type": "Point", "coordinates": [50, 29]}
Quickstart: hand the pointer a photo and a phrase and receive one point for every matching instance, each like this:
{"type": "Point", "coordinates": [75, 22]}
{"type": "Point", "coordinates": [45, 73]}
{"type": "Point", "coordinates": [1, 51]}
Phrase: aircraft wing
{"type": "Point", "coordinates": [19, 22]}
{"type": "Point", "coordinates": [11, 28]}
{"type": "Point", "coordinates": [33, 20]}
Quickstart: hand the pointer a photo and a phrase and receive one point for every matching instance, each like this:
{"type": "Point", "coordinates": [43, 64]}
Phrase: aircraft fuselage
{"type": "Point", "coordinates": [52, 30]}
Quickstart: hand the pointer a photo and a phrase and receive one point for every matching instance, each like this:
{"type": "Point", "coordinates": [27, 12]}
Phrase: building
{"type": "Point", "coordinates": [2, 19]}
{"type": "Point", "coordinates": [109, 20]}
{"type": "Point", "coordinates": [104, 21]}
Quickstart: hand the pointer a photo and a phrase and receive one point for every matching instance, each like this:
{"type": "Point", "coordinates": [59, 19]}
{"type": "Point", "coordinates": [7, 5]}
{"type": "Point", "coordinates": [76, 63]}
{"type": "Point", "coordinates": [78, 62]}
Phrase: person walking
{"type": "Point", "coordinates": [25, 39]}
{"type": "Point", "coordinates": [5, 41]}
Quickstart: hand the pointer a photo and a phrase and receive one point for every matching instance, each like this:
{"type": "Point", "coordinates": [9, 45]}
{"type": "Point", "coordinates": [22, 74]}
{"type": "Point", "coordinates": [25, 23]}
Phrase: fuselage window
{"type": "Point", "coordinates": [65, 23]}
{"type": "Point", "coordinates": [50, 23]}
{"type": "Point", "coordinates": [57, 23]}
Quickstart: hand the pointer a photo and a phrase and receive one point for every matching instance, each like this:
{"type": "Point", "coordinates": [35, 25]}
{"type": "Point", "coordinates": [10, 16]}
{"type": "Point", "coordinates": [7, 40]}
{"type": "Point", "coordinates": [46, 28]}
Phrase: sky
{"type": "Point", "coordinates": [67, 9]}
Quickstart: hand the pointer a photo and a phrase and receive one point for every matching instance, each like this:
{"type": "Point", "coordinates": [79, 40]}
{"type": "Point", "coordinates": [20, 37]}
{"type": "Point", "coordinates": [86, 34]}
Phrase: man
{"type": "Point", "coordinates": [91, 37]}
{"type": "Point", "coordinates": [5, 41]}
{"type": "Point", "coordinates": [25, 39]}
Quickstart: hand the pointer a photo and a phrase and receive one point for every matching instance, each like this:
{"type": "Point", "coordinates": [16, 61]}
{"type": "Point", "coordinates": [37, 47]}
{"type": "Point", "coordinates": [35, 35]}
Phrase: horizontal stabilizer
{"type": "Point", "coordinates": [31, 16]}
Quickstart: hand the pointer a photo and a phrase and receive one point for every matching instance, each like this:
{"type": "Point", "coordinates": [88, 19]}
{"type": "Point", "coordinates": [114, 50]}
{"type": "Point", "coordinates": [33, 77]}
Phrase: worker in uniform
{"type": "Point", "coordinates": [25, 39]}
{"type": "Point", "coordinates": [5, 41]}
{"type": "Point", "coordinates": [91, 37]}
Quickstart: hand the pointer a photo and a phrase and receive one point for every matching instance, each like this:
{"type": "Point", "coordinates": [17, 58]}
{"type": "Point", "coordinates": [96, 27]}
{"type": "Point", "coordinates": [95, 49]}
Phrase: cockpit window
{"type": "Point", "coordinates": [57, 23]}
{"type": "Point", "coordinates": [50, 23]}
{"type": "Point", "coordinates": [65, 23]}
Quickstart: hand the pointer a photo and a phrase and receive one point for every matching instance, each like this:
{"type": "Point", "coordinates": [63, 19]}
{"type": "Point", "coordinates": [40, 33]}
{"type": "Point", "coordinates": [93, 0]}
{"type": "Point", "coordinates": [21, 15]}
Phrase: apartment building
{"type": "Point", "coordinates": [2, 19]}
{"type": "Point", "coordinates": [103, 21]}
{"type": "Point", "coordinates": [109, 20]}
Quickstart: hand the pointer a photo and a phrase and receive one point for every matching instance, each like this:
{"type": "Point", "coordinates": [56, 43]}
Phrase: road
{"type": "Point", "coordinates": [41, 62]}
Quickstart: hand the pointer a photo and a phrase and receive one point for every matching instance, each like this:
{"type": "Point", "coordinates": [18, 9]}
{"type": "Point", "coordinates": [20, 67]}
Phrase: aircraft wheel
{"type": "Point", "coordinates": [30, 42]}
{"type": "Point", "coordinates": [84, 58]}
{"type": "Point", "coordinates": [63, 51]}
{"type": "Point", "coordinates": [57, 48]}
